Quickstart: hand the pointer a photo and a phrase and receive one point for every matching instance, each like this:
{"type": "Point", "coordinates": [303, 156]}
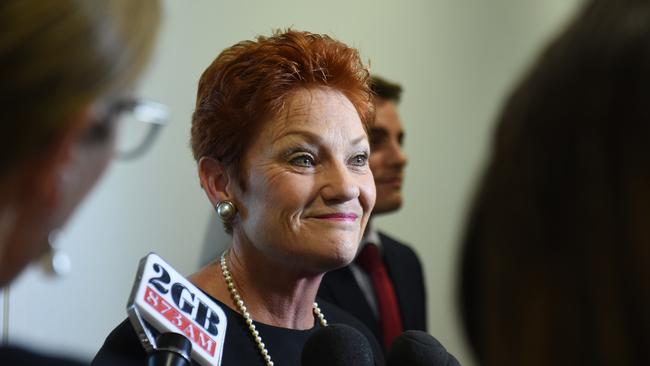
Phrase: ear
{"type": "Point", "coordinates": [45, 172]}
{"type": "Point", "coordinates": [215, 180]}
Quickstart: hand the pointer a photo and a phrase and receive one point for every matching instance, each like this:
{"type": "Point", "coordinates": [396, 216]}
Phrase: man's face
{"type": "Point", "coordinates": [387, 160]}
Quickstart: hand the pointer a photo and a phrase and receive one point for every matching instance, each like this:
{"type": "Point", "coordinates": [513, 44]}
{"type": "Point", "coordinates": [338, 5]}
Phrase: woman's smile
{"type": "Point", "coordinates": [338, 216]}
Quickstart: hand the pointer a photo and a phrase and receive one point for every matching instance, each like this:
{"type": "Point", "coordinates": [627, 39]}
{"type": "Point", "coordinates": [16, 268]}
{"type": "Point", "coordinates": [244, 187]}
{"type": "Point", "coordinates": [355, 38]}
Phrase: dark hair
{"type": "Point", "coordinates": [246, 85]}
{"type": "Point", "coordinates": [556, 256]}
{"type": "Point", "coordinates": [385, 89]}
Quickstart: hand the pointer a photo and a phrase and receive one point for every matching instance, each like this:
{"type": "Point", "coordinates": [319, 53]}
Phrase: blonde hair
{"type": "Point", "coordinates": [57, 56]}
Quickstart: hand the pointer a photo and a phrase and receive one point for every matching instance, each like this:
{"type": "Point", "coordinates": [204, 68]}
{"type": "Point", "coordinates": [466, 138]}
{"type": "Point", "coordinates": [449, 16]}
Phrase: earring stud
{"type": "Point", "coordinates": [226, 211]}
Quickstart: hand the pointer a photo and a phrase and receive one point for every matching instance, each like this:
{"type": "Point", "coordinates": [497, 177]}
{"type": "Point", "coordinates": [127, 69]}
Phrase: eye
{"type": "Point", "coordinates": [304, 160]}
{"type": "Point", "coordinates": [359, 160]}
{"type": "Point", "coordinates": [99, 132]}
{"type": "Point", "coordinates": [378, 137]}
{"type": "Point", "coordinates": [104, 126]}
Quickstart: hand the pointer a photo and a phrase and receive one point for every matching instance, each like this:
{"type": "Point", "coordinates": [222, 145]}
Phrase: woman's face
{"type": "Point", "coordinates": [66, 171]}
{"type": "Point", "coordinates": [309, 190]}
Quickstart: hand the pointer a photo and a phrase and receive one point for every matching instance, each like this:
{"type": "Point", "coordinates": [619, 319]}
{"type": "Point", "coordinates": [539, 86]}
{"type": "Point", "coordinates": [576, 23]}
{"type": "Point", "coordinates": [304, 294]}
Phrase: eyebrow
{"type": "Point", "coordinates": [315, 138]}
{"type": "Point", "coordinates": [377, 133]}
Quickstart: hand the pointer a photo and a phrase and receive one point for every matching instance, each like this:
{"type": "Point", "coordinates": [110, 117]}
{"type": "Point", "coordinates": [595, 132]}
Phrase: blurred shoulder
{"type": "Point", "coordinates": [20, 356]}
{"type": "Point", "coordinates": [121, 344]}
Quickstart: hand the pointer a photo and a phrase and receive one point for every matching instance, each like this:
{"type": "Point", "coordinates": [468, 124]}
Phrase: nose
{"type": "Point", "coordinates": [339, 184]}
{"type": "Point", "coordinates": [398, 157]}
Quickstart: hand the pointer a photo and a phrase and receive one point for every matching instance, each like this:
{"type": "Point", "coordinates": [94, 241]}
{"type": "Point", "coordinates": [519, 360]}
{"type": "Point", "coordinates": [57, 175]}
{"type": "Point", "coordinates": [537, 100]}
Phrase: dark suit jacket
{"type": "Point", "coordinates": [340, 288]}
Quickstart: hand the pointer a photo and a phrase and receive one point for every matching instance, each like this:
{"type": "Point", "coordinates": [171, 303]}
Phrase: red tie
{"type": "Point", "coordinates": [389, 318]}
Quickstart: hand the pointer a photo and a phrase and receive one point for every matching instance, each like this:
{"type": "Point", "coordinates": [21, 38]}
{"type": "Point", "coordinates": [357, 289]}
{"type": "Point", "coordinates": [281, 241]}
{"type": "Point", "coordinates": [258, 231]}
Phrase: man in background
{"type": "Point", "coordinates": [384, 286]}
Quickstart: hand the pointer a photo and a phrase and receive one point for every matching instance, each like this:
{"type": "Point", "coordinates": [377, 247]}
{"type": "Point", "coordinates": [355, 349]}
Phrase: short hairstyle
{"type": "Point", "coordinates": [246, 85]}
{"type": "Point", "coordinates": [556, 258]}
{"type": "Point", "coordinates": [384, 89]}
{"type": "Point", "coordinates": [57, 57]}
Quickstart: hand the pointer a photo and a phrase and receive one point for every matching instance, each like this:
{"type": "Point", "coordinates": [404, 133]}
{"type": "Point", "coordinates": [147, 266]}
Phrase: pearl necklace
{"type": "Point", "coordinates": [239, 302]}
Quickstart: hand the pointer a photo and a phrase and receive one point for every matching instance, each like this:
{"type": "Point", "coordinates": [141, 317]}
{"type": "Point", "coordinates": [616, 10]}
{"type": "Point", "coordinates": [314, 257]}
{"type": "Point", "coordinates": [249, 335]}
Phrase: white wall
{"type": "Point", "coordinates": [456, 60]}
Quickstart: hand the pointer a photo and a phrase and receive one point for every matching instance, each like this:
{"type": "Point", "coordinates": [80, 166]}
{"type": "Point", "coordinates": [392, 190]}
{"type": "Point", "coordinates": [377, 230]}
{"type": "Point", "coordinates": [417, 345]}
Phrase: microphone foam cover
{"type": "Point", "coordinates": [337, 345]}
{"type": "Point", "coordinates": [417, 348]}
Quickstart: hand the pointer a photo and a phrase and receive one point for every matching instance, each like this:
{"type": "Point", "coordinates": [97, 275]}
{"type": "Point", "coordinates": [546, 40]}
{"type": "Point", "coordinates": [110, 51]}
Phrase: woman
{"type": "Point", "coordinates": [66, 69]}
{"type": "Point", "coordinates": [280, 136]}
{"type": "Point", "coordinates": [556, 262]}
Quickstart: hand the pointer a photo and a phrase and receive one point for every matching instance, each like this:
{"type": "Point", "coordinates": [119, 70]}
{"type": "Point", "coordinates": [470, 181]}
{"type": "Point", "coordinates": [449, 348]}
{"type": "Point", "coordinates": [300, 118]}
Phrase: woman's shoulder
{"type": "Point", "coordinates": [123, 344]}
{"type": "Point", "coordinates": [336, 315]}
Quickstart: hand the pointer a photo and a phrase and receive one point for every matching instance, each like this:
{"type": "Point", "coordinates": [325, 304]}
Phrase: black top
{"type": "Point", "coordinates": [340, 288]}
{"type": "Point", "coordinates": [12, 356]}
{"type": "Point", "coordinates": [284, 345]}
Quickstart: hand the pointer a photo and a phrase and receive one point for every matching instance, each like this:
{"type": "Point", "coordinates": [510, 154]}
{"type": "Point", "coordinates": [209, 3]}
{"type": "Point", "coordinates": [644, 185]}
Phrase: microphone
{"type": "Point", "coordinates": [167, 312]}
{"type": "Point", "coordinates": [172, 349]}
{"type": "Point", "coordinates": [337, 345]}
{"type": "Point", "coordinates": [417, 348]}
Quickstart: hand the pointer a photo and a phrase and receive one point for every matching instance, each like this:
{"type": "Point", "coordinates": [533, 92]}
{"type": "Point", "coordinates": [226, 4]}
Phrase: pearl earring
{"type": "Point", "coordinates": [226, 211]}
{"type": "Point", "coordinates": [56, 262]}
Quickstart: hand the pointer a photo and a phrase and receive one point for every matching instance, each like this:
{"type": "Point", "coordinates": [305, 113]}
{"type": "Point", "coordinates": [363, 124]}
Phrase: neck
{"type": "Point", "coordinates": [273, 294]}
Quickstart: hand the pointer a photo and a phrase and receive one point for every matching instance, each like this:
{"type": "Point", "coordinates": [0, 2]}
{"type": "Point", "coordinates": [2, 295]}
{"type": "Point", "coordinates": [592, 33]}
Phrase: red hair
{"type": "Point", "coordinates": [247, 84]}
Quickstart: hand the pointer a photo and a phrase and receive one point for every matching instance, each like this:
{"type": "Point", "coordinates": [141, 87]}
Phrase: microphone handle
{"type": "Point", "coordinates": [172, 349]}
{"type": "Point", "coordinates": [166, 358]}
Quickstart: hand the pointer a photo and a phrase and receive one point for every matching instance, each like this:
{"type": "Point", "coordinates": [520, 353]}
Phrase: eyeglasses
{"type": "Point", "coordinates": [139, 123]}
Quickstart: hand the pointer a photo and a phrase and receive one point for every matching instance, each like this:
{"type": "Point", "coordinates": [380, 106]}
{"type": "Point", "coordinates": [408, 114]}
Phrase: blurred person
{"type": "Point", "coordinates": [280, 136]}
{"type": "Point", "coordinates": [66, 70]}
{"type": "Point", "coordinates": [556, 261]}
{"type": "Point", "coordinates": [384, 287]}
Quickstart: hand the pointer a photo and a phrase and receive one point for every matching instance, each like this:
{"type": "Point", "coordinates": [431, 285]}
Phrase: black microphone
{"type": "Point", "coordinates": [417, 348]}
{"type": "Point", "coordinates": [172, 349]}
{"type": "Point", "coordinates": [337, 345]}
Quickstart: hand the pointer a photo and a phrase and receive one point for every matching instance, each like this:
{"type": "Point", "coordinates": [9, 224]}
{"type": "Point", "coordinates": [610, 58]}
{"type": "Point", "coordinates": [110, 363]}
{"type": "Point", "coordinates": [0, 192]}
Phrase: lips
{"type": "Point", "coordinates": [338, 216]}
